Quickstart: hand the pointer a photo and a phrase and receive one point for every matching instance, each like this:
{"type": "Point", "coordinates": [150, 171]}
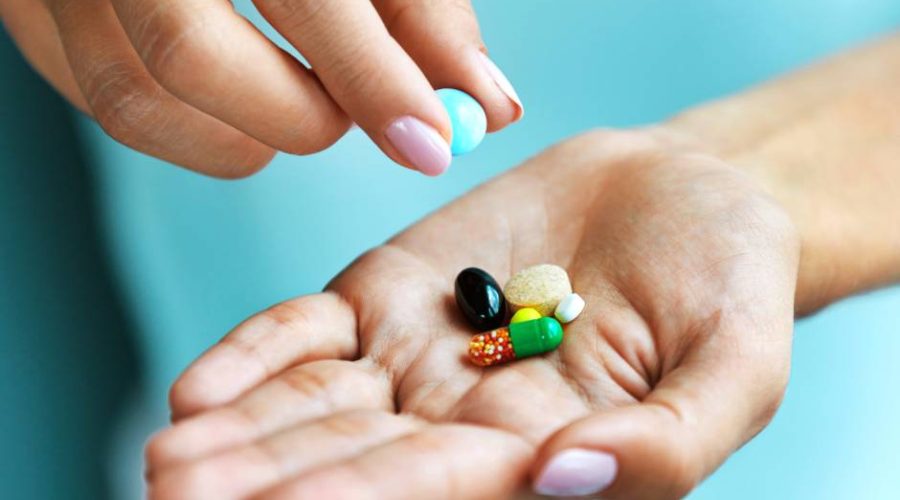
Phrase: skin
{"type": "Point", "coordinates": [694, 243]}
{"type": "Point", "coordinates": [668, 247]}
{"type": "Point", "coordinates": [194, 83]}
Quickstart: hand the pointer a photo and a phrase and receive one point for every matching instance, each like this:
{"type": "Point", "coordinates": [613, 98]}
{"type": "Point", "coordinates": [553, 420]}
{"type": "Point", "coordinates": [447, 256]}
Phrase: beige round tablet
{"type": "Point", "coordinates": [540, 287]}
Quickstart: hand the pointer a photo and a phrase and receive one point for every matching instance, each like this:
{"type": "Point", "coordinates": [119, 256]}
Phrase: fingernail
{"type": "Point", "coordinates": [577, 472]}
{"type": "Point", "coordinates": [502, 82]}
{"type": "Point", "coordinates": [420, 144]}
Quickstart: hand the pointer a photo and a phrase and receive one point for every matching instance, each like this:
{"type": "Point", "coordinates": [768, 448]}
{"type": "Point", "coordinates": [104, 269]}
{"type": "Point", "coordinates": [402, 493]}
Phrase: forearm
{"type": "Point", "coordinates": [826, 143]}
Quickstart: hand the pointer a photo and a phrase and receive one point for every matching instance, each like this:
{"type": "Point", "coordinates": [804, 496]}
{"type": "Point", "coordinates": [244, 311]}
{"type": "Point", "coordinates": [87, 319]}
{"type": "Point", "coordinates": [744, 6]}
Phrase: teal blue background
{"type": "Point", "coordinates": [118, 269]}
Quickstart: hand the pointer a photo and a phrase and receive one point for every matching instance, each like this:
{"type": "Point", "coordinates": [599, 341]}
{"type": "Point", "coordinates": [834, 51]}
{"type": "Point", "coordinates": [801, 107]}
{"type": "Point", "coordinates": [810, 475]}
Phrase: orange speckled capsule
{"type": "Point", "coordinates": [518, 340]}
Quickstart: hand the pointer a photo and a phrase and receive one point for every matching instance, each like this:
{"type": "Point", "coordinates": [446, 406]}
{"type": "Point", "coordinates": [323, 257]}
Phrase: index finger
{"type": "Point", "coordinates": [369, 75]}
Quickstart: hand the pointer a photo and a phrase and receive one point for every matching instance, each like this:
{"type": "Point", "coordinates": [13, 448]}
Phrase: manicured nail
{"type": "Point", "coordinates": [577, 472]}
{"type": "Point", "coordinates": [420, 144]}
{"type": "Point", "coordinates": [502, 82]}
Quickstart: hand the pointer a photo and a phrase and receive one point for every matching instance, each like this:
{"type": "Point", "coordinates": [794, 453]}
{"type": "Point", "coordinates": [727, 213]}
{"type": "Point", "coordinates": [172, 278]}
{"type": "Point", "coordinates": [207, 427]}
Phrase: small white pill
{"type": "Point", "coordinates": [569, 308]}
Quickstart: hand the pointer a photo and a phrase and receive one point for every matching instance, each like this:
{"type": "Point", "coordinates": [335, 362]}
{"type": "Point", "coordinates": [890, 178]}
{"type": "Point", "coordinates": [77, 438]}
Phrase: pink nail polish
{"type": "Point", "coordinates": [577, 472]}
{"type": "Point", "coordinates": [502, 82]}
{"type": "Point", "coordinates": [420, 144]}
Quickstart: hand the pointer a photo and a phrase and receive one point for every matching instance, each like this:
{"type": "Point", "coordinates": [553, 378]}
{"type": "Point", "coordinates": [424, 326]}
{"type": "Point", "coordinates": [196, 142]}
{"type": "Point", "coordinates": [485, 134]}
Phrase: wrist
{"type": "Point", "coordinates": [823, 143]}
{"type": "Point", "coordinates": [819, 281]}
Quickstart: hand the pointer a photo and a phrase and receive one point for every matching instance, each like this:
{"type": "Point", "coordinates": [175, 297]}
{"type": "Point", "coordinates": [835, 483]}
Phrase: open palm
{"type": "Point", "coordinates": [364, 391]}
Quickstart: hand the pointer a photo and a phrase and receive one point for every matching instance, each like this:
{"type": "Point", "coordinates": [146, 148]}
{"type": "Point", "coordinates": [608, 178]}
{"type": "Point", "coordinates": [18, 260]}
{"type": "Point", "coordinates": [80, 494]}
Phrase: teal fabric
{"type": "Point", "coordinates": [66, 353]}
{"type": "Point", "coordinates": [193, 256]}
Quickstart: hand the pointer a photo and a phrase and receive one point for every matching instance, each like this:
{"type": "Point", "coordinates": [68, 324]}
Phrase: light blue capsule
{"type": "Point", "coordinates": [467, 119]}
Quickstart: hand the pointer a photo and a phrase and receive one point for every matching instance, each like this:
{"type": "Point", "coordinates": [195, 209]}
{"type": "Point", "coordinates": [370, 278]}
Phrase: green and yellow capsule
{"type": "Point", "coordinates": [516, 341]}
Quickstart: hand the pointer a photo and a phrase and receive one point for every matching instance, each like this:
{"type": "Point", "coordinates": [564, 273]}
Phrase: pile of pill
{"type": "Point", "coordinates": [541, 300]}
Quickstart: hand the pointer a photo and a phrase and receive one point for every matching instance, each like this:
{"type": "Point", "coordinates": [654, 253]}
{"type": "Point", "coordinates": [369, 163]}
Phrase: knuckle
{"type": "Point", "coordinates": [308, 384]}
{"type": "Point", "coordinates": [358, 74]}
{"type": "Point", "coordinates": [349, 425]}
{"type": "Point", "coordinates": [62, 10]}
{"type": "Point", "coordinates": [121, 102]}
{"type": "Point", "coordinates": [175, 46]}
{"type": "Point", "coordinates": [401, 15]}
{"type": "Point", "coordinates": [297, 14]}
{"type": "Point", "coordinates": [250, 350]}
{"type": "Point", "coordinates": [291, 314]}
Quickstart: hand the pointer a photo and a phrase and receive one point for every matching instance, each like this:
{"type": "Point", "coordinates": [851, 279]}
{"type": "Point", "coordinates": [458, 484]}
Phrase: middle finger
{"type": "Point", "coordinates": [212, 58]}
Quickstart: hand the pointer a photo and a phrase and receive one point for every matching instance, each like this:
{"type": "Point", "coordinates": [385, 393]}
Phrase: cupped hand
{"type": "Point", "coordinates": [363, 391]}
{"type": "Point", "coordinates": [194, 83]}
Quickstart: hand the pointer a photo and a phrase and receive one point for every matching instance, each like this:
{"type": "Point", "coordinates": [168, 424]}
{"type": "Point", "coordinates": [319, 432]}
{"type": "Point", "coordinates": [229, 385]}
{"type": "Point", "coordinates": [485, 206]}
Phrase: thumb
{"type": "Point", "coordinates": [719, 397]}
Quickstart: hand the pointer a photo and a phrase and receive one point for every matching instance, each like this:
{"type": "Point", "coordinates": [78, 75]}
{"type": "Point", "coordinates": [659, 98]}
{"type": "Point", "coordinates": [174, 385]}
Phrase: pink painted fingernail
{"type": "Point", "coordinates": [502, 82]}
{"type": "Point", "coordinates": [577, 472]}
{"type": "Point", "coordinates": [420, 144]}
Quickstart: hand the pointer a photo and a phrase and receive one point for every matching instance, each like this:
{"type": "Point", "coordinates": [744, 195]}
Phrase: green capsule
{"type": "Point", "coordinates": [518, 340]}
{"type": "Point", "coordinates": [530, 338]}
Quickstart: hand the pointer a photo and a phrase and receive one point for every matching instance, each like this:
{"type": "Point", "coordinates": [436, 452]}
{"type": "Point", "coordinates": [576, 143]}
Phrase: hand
{"type": "Point", "coordinates": [194, 83]}
{"type": "Point", "coordinates": [363, 391]}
